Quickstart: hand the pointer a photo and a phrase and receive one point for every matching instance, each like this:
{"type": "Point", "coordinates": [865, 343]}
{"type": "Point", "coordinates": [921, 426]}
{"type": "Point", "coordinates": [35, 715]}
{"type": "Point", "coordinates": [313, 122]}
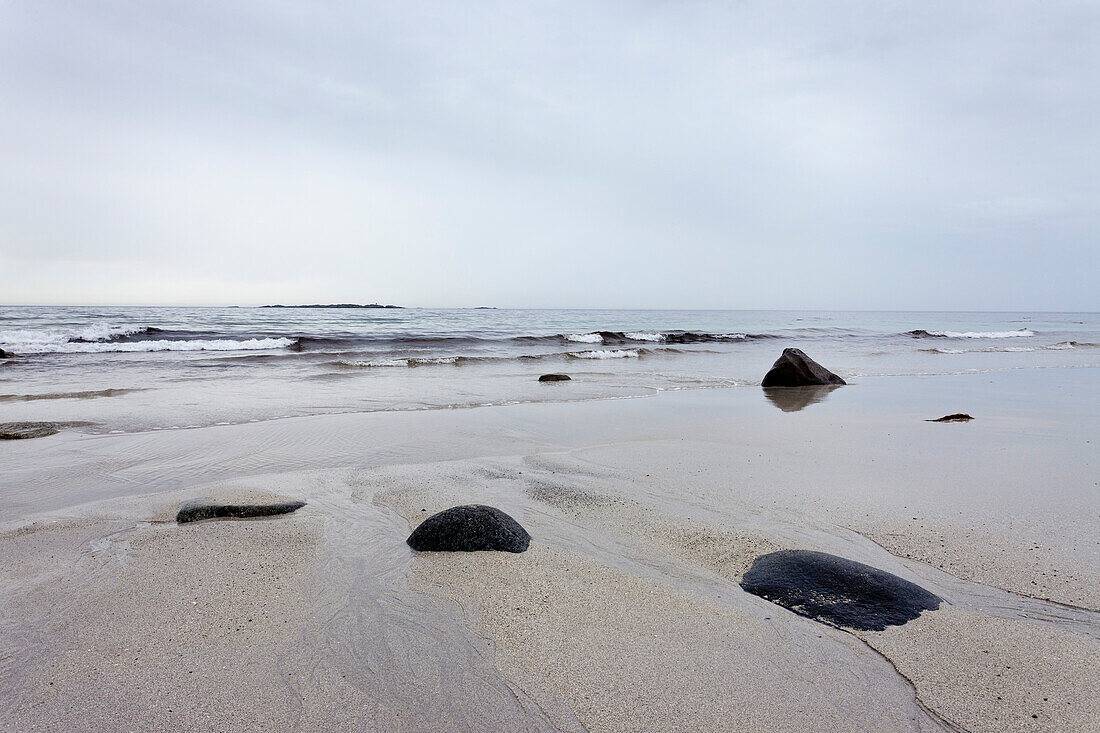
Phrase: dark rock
{"type": "Point", "coordinates": [957, 417]}
{"type": "Point", "coordinates": [554, 378]}
{"type": "Point", "coordinates": [199, 509]}
{"type": "Point", "coordinates": [793, 399]}
{"type": "Point", "coordinates": [23, 430]}
{"type": "Point", "coordinates": [6, 354]}
{"type": "Point", "coordinates": [469, 529]}
{"type": "Point", "coordinates": [794, 369]}
{"type": "Point", "coordinates": [836, 591]}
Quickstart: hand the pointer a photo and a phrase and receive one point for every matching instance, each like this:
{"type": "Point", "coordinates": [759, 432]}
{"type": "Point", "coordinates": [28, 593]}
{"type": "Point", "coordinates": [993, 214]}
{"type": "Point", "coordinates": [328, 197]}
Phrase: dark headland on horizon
{"type": "Point", "coordinates": [335, 305]}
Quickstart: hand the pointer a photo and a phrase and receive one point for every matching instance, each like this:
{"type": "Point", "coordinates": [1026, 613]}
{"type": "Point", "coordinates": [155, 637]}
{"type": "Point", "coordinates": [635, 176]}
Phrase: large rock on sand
{"type": "Point", "coordinates": [24, 430]}
{"type": "Point", "coordinates": [200, 509]}
{"type": "Point", "coordinates": [837, 591]}
{"type": "Point", "coordinates": [554, 378]}
{"type": "Point", "coordinates": [469, 529]}
{"type": "Point", "coordinates": [794, 369]}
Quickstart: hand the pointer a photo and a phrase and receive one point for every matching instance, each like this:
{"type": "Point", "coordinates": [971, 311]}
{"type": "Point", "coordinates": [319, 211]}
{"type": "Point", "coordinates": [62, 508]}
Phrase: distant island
{"type": "Point", "coordinates": [335, 305]}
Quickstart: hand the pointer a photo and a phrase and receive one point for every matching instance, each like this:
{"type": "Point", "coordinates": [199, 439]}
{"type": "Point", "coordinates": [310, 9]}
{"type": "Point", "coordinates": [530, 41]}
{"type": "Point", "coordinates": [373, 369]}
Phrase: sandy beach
{"type": "Point", "coordinates": [625, 614]}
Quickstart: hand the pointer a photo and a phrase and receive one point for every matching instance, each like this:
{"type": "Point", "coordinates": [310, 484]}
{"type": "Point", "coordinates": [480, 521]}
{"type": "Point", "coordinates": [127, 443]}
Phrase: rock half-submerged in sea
{"type": "Point", "coordinates": [200, 509]}
{"type": "Point", "coordinates": [794, 369]}
{"type": "Point", "coordinates": [837, 591]}
{"type": "Point", "coordinates": [469, 529]}
{"type": "Point", "coordinates": [5, 354]}
{"type": "Point", "coordinates": [554, 378]}
{"type": "Point", "coordinates": [957, 417]}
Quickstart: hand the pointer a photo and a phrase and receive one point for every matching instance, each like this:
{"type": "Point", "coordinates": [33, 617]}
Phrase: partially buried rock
{"type": "Point", "coordinates": [469, 529]}
{"type": "Point", "coordinates": [836, 591]}
{"type": "Point", "coordinates": [554, 378]}
{"type": "Point", "coordinates": [199, 509]}
{"type": "Point", "coordinates": [24, 430]}
{"type": "Point", "coordinates": [957, 417]}
{"type": "Point", "coordinates": [794, 369]}
{"type": "Point", "coordinates": [5, 354]}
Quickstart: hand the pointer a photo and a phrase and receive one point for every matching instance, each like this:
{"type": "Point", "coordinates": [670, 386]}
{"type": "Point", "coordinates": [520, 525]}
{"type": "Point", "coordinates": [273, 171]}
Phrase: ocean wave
{"type": "Point", "coordinates": [1061, 345]}
{"type": "Point", "coordinates": [668, 337]}
{"type": "Point", "coordinates": [606, 354]}
{"type": "Point", "coordinates": [89, 394]}
{"type": "Point", "coordinates": [97, 347]}
{"type": "Point", "coordinates": [94, 333]}
{"type": "Point", "coordinates": [112, 334]}
{"type": "Point", "coordinates": [1019, 333]}
{"type": "Point", "coordinates": [1004, 349]}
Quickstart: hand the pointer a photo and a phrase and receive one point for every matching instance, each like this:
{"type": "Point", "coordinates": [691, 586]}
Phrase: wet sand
{"type": "Point", "coordinates": [626, 612]}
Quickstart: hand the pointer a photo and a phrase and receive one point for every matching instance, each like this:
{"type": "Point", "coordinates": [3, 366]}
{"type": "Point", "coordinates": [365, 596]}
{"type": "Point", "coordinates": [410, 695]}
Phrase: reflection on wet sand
{"type": "Point", "coordinates": [793, 399]}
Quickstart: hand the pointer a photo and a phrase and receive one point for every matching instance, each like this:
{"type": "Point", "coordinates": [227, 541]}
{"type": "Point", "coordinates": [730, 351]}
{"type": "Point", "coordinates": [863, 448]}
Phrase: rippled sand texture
{"type": "Point", "coordinates": [626, 612]}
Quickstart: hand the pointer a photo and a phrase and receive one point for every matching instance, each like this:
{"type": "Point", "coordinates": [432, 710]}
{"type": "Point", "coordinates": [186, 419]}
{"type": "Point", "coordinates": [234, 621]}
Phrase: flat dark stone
{"type": "Point", "coordinates": [469, 529]}
{"type": "Point", "coordinates": [957, 417]}
{"type": "Point", "coordinates": [554, 378]}
{"type": "Point", "coordinates": [794, 369]}
{"type": "Point", "coordinates": [836, 591]}
{"type": "Point", "coordinates": [199, 509]}
{"type": "Point", "coordinates": [24, 430]}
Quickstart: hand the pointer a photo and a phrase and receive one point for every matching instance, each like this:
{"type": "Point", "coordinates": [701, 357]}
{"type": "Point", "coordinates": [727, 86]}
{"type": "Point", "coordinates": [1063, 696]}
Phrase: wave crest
{"type": "Point", "coordinates": [1019, 333]}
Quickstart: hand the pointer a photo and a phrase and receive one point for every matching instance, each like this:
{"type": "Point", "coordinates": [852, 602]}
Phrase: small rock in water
{"type": "Point", "coordinates": [554, 378]}
{"type": "Point", "coordinates": [836, 590]}
{"type": "Point", "coordinates": [24, 430]}
{"type": "Point", "coordinates": [957, 417]}
{"type": "Point", "coordinates": [5, 354]}
{"type": "Point", "coordinates": [469, 529]}
{"type": "Point", "coordinates": [200, 509]}
{"type": "Point", "coordinates": [794, 369]}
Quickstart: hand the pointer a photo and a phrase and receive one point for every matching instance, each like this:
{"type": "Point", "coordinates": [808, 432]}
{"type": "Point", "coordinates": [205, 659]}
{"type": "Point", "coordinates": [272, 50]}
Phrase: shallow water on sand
{"type": "Point", "coordinates": [644, 514]}
{"type": "Point", "coordinates": [133, 369]}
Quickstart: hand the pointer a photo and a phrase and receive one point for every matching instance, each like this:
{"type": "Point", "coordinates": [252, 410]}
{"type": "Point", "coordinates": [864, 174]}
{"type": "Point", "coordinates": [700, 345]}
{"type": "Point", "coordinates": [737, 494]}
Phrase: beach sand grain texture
{"type": "Point", "coordinates": [994, 674]}
{"type": "Point", "coordinates": [161, 627]}
{"type": "Point", "coordinates": [624, 614]}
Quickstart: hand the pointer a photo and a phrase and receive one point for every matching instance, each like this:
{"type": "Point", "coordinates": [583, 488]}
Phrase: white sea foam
{"type": "Point", "coordinates": [77, 347]}
{"type": "Point", "coordinates": [605, 354]}
{"type": "Point", "coordinates": [433, 360]}
{"type": "Point", "coordinates": [36, 340]}
{"type": "Point", "coordinates": [644, 336]}
{"type": "Point", "coordinates": [585, 338]}
{"type": "Point", "coordinates": [1021, 333]}
{"type": "Point", "coordinates": [1062, 345]}
{"type": "Point", "coordinates": [949, 351]}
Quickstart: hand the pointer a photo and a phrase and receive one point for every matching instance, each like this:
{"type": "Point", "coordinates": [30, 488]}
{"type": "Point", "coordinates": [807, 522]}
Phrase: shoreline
{"type": "Point", "coordinates": [644, 513]}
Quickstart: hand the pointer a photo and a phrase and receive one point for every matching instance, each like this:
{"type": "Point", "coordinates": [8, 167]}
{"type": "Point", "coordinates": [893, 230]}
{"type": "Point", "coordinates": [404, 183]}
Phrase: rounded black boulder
{"type": "Point", "coordinates": [837, 591]}
{"type": "Point", "coordinates": [554, 378]}
{"type": "Point", "coordinates": [794, 369]}
{"type": "Point", "coordinates": [469, 529]}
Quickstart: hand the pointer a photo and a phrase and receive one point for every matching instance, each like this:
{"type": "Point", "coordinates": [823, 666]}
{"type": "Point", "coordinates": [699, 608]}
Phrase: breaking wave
{"type": "Point", "coordinates": [1019, 333]}
{"type": "Point", "coordinates": [96, 347]}
{"type": "Point", "coordinates": [606, 354]}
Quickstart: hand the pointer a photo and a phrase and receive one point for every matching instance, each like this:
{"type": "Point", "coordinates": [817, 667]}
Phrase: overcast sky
{"type": "Point", "coordinates": [554, 154]}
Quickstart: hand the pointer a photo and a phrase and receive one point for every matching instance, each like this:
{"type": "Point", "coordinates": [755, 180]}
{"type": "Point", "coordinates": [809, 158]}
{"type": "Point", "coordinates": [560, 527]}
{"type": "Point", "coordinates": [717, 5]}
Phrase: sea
{"type": "Point", "coordinates": [132, 369]}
